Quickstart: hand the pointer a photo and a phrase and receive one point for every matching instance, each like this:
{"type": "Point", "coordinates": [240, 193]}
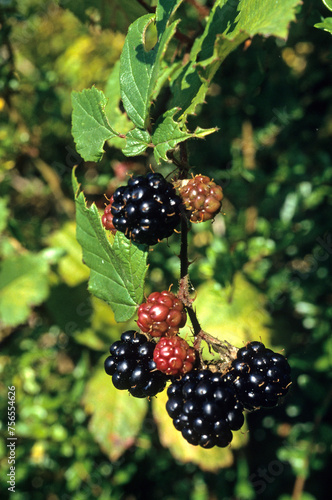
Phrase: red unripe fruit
{"type": "Point", "coordinates": [202, 197]}
{"type": "Point", "coordinates": [174, 356]}
{"type": "Point", "coordinates": [162, 314]}
{"type": "Point", "coordinates": [107, 218]}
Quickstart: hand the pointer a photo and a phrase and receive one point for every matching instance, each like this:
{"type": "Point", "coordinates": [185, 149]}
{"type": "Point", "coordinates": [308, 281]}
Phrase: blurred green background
{"type": "Point", "coordinates": [265, 263]}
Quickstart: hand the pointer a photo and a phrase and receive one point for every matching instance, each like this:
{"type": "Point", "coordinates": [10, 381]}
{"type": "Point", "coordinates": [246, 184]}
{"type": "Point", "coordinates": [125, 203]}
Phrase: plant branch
{"type": "Point", "coordinates": [184, 262]}
{"type": "Point", "coordinates": [146, 6]}
{"type": "Point", "coordinates": [202, 11]}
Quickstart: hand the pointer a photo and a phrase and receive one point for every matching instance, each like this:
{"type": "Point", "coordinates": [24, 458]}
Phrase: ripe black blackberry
{"type": "Point", "coordinates": [132, 367]}
{"type": "Point", "coordinates": [259, 375]}
{"type": "Point", "coordinates": [204, 408]}
{"type": "Point", "coordinates": [147, 209]}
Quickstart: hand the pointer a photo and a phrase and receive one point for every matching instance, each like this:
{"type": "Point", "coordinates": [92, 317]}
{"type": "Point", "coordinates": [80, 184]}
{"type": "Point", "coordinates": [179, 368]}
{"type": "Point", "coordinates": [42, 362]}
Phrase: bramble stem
{"type": "Point", "coordinates": [146, 6]}
{"type": "Point", "coordinates": [223, 348]}
{"type": "Point", "coordinates": [184, 279]}
{"type": "Point", "coordinates": [184, 247]}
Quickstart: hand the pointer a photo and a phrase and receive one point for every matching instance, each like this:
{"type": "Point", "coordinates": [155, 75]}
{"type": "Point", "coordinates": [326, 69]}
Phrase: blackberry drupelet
{"type": "Point", "coordinates": [259, 375]}
{"type": "Point", "coordinates": [132, 367]}
{"type": "Point", "coordinates": [147, 210]}
{"type": "Point", "coordinates": [204, 408]}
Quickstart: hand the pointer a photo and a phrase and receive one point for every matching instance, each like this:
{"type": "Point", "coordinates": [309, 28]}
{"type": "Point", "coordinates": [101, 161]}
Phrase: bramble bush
{"type": "Point", "coordinates": [259, 126]}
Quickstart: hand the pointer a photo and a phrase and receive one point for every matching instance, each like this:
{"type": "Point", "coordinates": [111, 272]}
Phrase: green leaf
{"type": "Point", "coordinates": [230, 23]}
{"type": "Point", "coordinates": [139, 69]}
{"type": "Point", "coordinates": [90, 127]}
{"type": "Point", "coordinates": [71, 269]}
{"type": "Point", "coordinates": [328, 4]}
{"type": "Point", "coordinates": [257, 17]}
{"type": "Point", "coordinates": [137, 141]}
{"type": "Point", "coordinates": [239, 313]}
{"type": "Point", "coordinates": [165, 8]}
{"type": "Point", "coordinates": [118, 270]}
{"type": "Point", "coordinates": [4, 213]}
{"type": "Point", "coordinates": [211, 460]}
{"type": "Point", "coordinates": [325, 24]}
{"type": "Point", "coordinates": [116, 117]}
{"type": "Point", "coordinates": [116, 416]}
{"type": "Point", "coordinates": [23, 284]}
{"type": "Point", "coordinates": [168, 134]}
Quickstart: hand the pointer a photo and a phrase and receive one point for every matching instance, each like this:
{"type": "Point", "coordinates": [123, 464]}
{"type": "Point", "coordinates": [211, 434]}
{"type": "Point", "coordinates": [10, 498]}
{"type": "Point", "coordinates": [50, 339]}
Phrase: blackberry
{"type": "Point", "coordinates": [174, 356]}
{"type": "Point", "coordinates": [259, 376]}
{"type": "Point", "coordinates": [147, 209]}
{"type": "Point", "coordinates": [202, 197]}
{"type": "Point", "coordinates": [204, 408]}
{"type": "Point", "coordinates": [162, 314]}
{"type": "Point", "coordinates": [132, 367]}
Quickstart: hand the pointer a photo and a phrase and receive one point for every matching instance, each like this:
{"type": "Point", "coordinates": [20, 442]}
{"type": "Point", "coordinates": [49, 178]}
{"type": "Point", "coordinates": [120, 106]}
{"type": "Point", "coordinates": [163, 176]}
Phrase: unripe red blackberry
{"type": "Point", "coordinates": [174, 356]}
{"type": "Point", "coordinates": [162, 314]}
{"type": "Point", "coordinates": [202, 197]}
{"type": "Point", "coordinates": [107, 218]}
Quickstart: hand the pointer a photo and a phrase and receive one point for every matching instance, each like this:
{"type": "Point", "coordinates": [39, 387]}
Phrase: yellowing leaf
{"type": "Point", "coordinates": [116, 416]}
{"type": "Point", "coordinates": [235, 313]}
{"type": "Point", "coordinates": [71, 267]}
{"type": "Point", "coordinates": [23, 284]}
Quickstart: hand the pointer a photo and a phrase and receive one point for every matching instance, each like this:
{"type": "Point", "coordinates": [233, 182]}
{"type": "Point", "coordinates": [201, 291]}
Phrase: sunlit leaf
{"type": "Point", "coordinates": [23, 285]}
{"type": "Point", "coordinates": [139, 69]}
{"type": "Point", "coordinates": [168, 134]}
{"type": "Point", "coordinates": [325, 24]}
{"type": "Point", "coordinates": [116, 415]}
{"type": "Point", "coordinates": [239, 313]}
{"type": "Point", "coordinates": [137, 141]}
{"type": "Point", "coordinates": [229, 24]}
{"type": "Point", "coordinates": [117, 270]}
{"type": "Point", "coordinates": [90, 127]}
{"type": "Point", "coordinates": [71, 268]}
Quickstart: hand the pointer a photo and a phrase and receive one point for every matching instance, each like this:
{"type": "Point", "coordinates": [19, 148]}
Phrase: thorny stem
{"type": "Point", "coordinates": [184, 247]}
{"type": "Point", "coordinates": [184, 265]}
{"type": "Point", "coordinates": [224, 349]}
{"type": "Point", "coordinates": [202, 11]}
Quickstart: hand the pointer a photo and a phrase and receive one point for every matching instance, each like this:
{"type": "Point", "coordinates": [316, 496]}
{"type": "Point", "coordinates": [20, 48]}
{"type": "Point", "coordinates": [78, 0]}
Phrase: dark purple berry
{"type": "Point", "coordinates": [259, 376]}
{"type": "Point", "coordinates": [132, 367]}
{"type": "Point", "coordinates": [147, 210]}
{"type": "Point", "coordinates": [204, 408]}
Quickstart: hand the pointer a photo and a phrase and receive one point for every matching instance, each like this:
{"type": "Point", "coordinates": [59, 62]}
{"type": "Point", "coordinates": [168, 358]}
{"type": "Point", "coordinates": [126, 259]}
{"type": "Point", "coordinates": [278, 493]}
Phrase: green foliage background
{"type": "Point", "coordinates": [264, 265]}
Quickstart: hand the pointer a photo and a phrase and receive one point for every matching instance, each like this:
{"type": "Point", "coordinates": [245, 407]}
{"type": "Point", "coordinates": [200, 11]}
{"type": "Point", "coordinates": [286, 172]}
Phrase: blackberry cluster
{"type": "Point", "coordinates": [147, 210]}
{"type": "Point", "coordinates": [132, 367]}
{"type": "Point", "coordinates": [259, 376]}
{"type": "Point", "coordinates": [204, 408]}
